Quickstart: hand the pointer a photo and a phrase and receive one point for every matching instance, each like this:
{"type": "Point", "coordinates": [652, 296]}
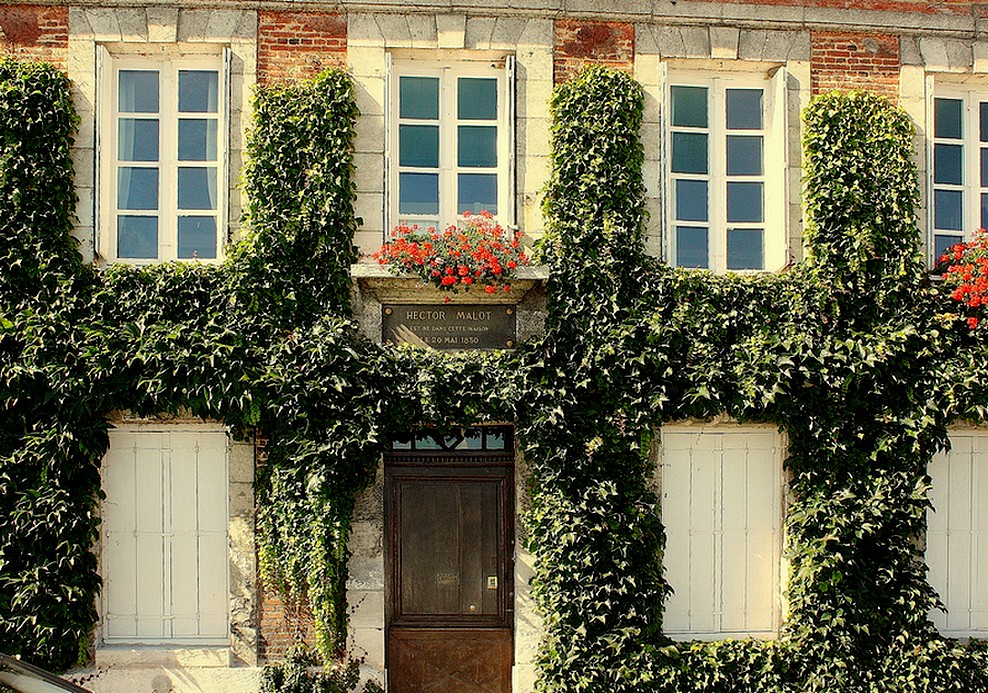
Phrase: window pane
{"type": "Point", "coordinates": [943, 243]}
{"type": "Point", "coordinates": [947, 118]}
{"type": "Point", "coordinates": [691, 247]}
{"type": "Point", "coordinates": [477, 145]}
{"type": "Point", "coordinates": [477, 192]}
{"type": "Point", "coordinates": [983, 108]}
{"type": "Point", "coordinates": [691, 200]}
{"type": "Point", "coordinates": [495, 438]}
{"type": "Point", "coordinates": [137, 237]}
{"type": "Point", "coordinates": [744, 249]}
{"type": "Point", "coordinates": [744, 155]}
{"type": "Point", "coordinates": [984, 168]}
{"type": "Point", "coordinates": [473, 439]}
{"type": "Point", "coordinates": [418, 193]}
{"type": "Point", "coordinates": [689, 106]}
{"type": "Point", "coordinates": [689, 152]}
{"type": "Point", "coordinates": [418, 97]}
{"type": "Point", "coordinates": [196, 139]}
{"type": "Point", "coordinates": [947, 164]}
{"type": "Point", "coordinates": [476, 99]}
{"type": "Point", "coordinates": [196, 187]}
{"type": "Point", "coordinates": [137, 188]}
{"type": "Point", "coordinates": [744, 109]}
{"type": "Point", "coordinates": [138, 139]}
{"type": "Point", "coordinates": [984, 211]}
{"type": "Point", "coordinates": [418, 145]}
{"type": "Point", "coordinates": [197, 237]}
{"type": "Point", "coordinates": [744, 202]}
{"type": "Point", "coordinates": [947, 206]}
{"type": "Point", "coordinates": [138, 91]}
{"type": "Point", "coordinates": [198, 91]}
{"type": "Point", "coordinates": [427, 440]}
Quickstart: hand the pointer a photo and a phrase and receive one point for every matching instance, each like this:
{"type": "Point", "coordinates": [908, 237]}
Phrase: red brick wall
{"type": "Point", "coordinates": [282, 625]}
{"type": "Point", "coordinates": [581, 42]}
{"type": "Point", "coordinates": [35, 32]}
{"type": "Point", "coordinates": [298, 44]}
{"type": "Point", "coordinates": [855, 61]}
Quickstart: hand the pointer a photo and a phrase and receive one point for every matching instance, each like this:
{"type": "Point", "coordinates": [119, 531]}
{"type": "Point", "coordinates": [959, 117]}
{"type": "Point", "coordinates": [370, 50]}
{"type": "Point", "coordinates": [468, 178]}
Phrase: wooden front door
{"type": "Point", "coordinates": [450, 545]}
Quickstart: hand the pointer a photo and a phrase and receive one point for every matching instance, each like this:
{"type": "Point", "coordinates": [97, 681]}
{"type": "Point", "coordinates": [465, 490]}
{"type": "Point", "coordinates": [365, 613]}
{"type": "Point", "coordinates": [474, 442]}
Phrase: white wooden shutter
{"type": "Point", "coordinates": [511, 217]}
{"type": "Point", "coordinates": [390, 189]}
{"type": "Point", "coordinates": [722, 510]}
{"type": "Point", "coordinates": [957, 535]}
{"type": "Point", "coordinates": [165, 565]}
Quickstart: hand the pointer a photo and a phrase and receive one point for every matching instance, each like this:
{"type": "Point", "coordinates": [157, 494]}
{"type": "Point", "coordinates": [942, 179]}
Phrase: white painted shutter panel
{"type": "Point", "coordinates": [511, 214]}
{"type": "Point", "coordinates": [721, 506]}
{"type": "Point", "coordinates": [165, 537]}
{"type": "Point", "coordinates": [957, 535]}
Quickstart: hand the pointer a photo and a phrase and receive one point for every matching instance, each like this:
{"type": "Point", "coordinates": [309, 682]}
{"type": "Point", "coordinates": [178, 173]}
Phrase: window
{"type": "Point", "coordinates": [449, 142]}
{"type": "Point", "coordinates": [722, 510]}
{"type": "Point", "coordinates": [960, 166]}
{"type": "Point", "coordinates": [162, 143]}
{"type": "Point", "coordinates": [164, 537]}
{"type": "Point", "coordinates": [957, 535]}
{"type": "Point", "coordinates": [725, 174]}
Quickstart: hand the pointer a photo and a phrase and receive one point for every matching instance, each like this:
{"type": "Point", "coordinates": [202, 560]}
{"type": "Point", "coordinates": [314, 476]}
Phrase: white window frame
{"type": "Point", "coordinates": [448, 72]}
{"type": "Point", "coordinates": [127, 435]}
{"type": "Point", "coordinates": [957, 534]}
{"type": "Point", "coordinates": [727, 614]}
{"type": "Point", "coordinates": [108, 161]}
{"type": "Point", "coordinates": [971, 96]}
{"type": "Point", "coordinates": [775, 167]}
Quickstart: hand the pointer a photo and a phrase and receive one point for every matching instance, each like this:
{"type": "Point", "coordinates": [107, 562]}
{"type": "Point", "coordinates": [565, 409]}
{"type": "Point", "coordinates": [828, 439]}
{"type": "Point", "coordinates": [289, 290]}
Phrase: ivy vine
{"type": "Point", "coordinates": [854, 354]}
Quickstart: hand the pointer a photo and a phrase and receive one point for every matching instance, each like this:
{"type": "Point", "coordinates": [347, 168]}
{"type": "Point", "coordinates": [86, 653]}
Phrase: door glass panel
{"type": "Point", "coordinates": [477, 193]}
{"type": "Point", "coordinates": [689, 152]}
{"type": "Point", "coordinates": [691, 247]}
{"type": "Point", "coordinates": [418, 98]}
{"type": "Point", "coordinates": [196, 139]}
{"type": "Point", "coordinates": [744, 202]}
{"type": "Point", "coordinates": [198, 91]}
{"type": "Point", "coordinates": [691, 200]}
{"type": "Point", "coordinates": [418, 193]}
{"type": "Point", "coordinates": [138, 139]}
{"type": "Point", "coordinates": [137, 237]}
{"type": "Point", "coordinates": [689, 106]}
{"type": "Point", "coordinates": [418, 145]}
{"type": "Point", "coordinates": [744, 155]}
{"type": "Point", "coordinates": [137, 188]}
{"type": "Point", "coordinates": [138, 91]}
{"type": "Point", "coordinates": [197, 237]}
{"type": "Point", "coordinates": [745, 249]}
{"type": "Point", "coordinates": [744, 109]}
{"type": "Point", "coordinates": [196, 187]}
{"type": "Point", "coordinates": [477, 146]}
{"type": "Point", "coordinates": [476, 98]}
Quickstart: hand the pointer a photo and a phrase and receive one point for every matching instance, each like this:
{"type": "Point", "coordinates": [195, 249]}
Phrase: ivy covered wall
{"type": "Point", "coordinates": [854, 354]}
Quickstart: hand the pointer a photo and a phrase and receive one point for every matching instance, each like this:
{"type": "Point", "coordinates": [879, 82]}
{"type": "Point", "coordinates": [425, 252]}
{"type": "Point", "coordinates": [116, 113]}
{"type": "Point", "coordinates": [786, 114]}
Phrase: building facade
{"type": "Point", "coordinates": [454, 117]}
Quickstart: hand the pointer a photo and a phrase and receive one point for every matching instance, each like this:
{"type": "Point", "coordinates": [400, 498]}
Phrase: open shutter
{"type": "Point", "coordinates": [102, 108]}
{"type": "Point", "coordinates": [388, 132]}
{"type": "Point", "coordinates": [512, 209]}
{"type": "Point", "coordinates": [778, 251]}
{"type": "Point", "coordinates": [665, 225]}
{"type": "Point", "coordinates": [225, 90]}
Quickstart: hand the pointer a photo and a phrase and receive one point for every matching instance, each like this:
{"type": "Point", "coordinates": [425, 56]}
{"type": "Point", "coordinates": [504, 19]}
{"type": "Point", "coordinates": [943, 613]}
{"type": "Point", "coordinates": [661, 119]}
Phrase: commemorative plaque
{"type": "Point", "coordinates": [450, 326]}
